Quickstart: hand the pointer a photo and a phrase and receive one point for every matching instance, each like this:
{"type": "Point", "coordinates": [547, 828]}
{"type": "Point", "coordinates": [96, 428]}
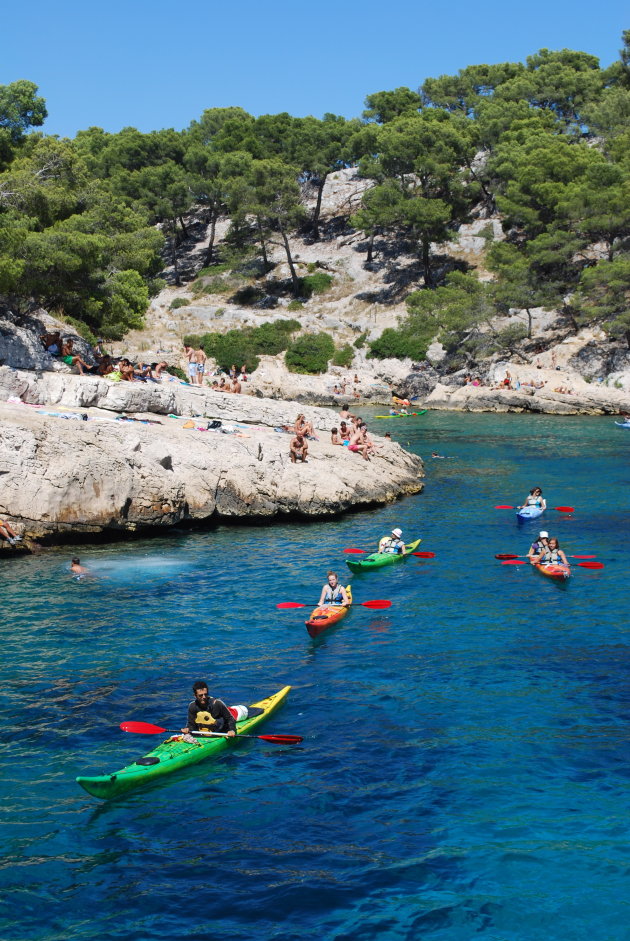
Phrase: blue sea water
{"type": "Point", "coordinates": [465, 770]}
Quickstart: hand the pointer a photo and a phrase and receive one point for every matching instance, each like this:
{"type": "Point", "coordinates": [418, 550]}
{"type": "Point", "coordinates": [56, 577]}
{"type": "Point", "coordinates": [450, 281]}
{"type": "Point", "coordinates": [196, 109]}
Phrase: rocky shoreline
{"type": "Point", "coordinates": [81, 455]}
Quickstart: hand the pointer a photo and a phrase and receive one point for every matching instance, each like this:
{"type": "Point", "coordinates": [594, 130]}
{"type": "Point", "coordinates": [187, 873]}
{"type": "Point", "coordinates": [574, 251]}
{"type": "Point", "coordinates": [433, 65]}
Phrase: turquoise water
{"type": "Point", "coordinates": [465, 766]}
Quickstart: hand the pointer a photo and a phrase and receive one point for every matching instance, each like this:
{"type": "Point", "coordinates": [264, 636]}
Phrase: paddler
{"type": "Point", "coordinates": [538, 547]}
{"type": "Point", "coordinates": [553, 554]}
{"type": "Point", "coordinates": [535, 498]}
{"type": "Point", "coordinates": [395, 544]}
{"type": "Point", "coordinates": [333, 593]}
{"type": "Point", "coordinates": [206, 714]}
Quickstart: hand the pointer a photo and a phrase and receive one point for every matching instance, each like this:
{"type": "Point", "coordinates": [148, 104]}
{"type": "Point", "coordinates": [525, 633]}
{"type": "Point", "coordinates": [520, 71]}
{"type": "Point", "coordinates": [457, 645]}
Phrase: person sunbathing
{"type": "Point", "coordinates": [71, 359]}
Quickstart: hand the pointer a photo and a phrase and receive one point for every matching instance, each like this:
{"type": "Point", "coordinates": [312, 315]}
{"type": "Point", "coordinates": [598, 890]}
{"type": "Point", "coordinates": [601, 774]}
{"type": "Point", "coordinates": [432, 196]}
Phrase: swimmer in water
{"type": "Point", "coordinates": [435, 454]}
{"type": "Point", "coordinates": [77, 569]}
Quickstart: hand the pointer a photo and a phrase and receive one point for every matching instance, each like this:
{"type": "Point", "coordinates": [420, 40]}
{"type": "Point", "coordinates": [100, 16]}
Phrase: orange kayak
{"type": "Point", "coordinates": [556, 570]}
{"type": "Point", "coordinates": [327, 615]}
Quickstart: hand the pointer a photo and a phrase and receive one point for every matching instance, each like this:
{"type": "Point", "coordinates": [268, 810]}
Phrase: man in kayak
{"type": "Point", "coordinates": [539, 546]}
{"type": "Point", "coordinates": [206, 714]}
{"type": "Point", "coordinates": [393, 543]}
{"type": "Point", "coordinates": [333, 592]}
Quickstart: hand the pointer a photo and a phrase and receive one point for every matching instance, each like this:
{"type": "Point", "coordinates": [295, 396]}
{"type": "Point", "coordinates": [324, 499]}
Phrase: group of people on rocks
{"type": "Point", "coordinates": [116, 369]}
{"type": "Point", "coordinates": [197, 359]}
{"type": "Point", "coordinates": [352, 432]}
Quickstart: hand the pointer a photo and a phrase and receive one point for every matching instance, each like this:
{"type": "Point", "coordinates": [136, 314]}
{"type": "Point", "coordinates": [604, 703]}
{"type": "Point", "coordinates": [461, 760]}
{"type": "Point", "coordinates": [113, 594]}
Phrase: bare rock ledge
{"type": "Point", "coordinates": [70, 476]}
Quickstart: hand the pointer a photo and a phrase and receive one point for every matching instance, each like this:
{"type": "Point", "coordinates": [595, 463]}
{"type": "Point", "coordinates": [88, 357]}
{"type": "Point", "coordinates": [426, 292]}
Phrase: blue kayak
{"type": "Point", "coordinates": [529, 513]}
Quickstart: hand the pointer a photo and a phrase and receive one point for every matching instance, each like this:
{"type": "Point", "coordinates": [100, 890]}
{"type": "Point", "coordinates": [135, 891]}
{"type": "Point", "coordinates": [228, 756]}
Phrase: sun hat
{"type": "Point", "coordinates": [543, 535]}
{"type": "Point", "coordinates": [397, 532]}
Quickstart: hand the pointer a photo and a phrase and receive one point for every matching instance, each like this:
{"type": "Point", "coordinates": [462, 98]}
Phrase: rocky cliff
{"type": "Point", "coordinates": [92, 472]}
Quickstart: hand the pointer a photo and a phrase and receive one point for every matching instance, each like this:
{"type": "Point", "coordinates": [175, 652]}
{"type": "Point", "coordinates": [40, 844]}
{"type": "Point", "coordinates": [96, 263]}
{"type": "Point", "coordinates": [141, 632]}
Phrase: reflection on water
{"type": "Point", "coordinates": [464, 769]}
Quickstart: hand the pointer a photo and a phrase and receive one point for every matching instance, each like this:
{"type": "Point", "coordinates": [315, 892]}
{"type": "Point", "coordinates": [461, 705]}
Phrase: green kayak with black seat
{"type": "Point", "coordinates": [379, 559]}
{"type": "Point", "coordinates": [176, 753]}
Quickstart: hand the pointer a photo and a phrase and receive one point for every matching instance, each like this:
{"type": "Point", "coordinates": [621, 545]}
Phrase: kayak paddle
{"type": "Point", "coordinates": [510, 555]}
{"type": "Point", "coordinates": [145, 728]}
{"type": "Point", "coordinates": [561, 509]}
{"type": "Point", "coordinates": [583, 565]}
{"type": "Point", "coordinates": [377, 603]}
{"type": "Point", "coordinates": [420, 555]}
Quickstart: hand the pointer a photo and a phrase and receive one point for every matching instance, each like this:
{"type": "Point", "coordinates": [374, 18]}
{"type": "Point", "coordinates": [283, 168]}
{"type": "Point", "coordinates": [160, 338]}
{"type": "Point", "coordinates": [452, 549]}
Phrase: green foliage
{"type": "Point", "coordinates": [359, 343]}
{"type": "Point", "coordinates": [82, 329]}
{"type": "Point", "coordinates": [399, 344]}
{"type": "Point", "coordinates": [295, 305]}
{"type": "Point", "coordinates": [176, 371]}
{"type": "Point", "coordinates": [603, 297]}
{"type": "Point", "coordinates": [384, 106]}
{"type": "Point", "coordinates": [343, 356]}
{"type": "Point", "coordinates": [317, 283]}
{"type": "Point", "coordinates": [179, 302]}
{"type": "Point", "coordinates": [310, 353]}
{"type": "Point", "coordinates": [246, 345]}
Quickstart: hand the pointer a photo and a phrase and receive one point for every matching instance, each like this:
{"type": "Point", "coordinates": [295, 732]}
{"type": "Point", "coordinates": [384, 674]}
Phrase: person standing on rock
{"type": "Point", "coordinates": [192, 365]}
{"type": "Point", "coordinates": [199, 358]}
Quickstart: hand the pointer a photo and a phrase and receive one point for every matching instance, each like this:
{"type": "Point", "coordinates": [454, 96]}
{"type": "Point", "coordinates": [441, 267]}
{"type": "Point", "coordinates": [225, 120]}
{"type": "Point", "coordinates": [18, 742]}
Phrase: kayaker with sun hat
{"type": "Point", "coordinates": [392, 543]}
{"type": "Point", "coordinates": [206, 714]}
{"type": "Point", "coordinates": [540, 545]}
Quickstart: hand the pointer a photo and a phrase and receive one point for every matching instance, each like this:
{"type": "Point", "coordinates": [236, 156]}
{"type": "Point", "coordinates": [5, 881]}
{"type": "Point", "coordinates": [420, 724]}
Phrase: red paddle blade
{"type": "Point", "coordinates": [591, 565]}
{"type": "Point", "coordinates": [424, 555]}
{"type": "Point", "coordinates": [514, 562]}
{"type": "Point", "coordinates": [355, 551]}
{"type": "Point", "coordinates": [565, 509]}
{"type": "Point", "coordinates": [290, 604]}
{"type": "Point", "coordinates": [506, 555]}
{"type": "Point", "coordinates": [377, 603]}
{"type": "Point", "coordinates": [143, 728]}
{"type": "Point", "coordinates": [505, 507]}
{"type": "Point", "coordinates": [282, 739]}
{"type": "Point", "coordinates": [583, 556]}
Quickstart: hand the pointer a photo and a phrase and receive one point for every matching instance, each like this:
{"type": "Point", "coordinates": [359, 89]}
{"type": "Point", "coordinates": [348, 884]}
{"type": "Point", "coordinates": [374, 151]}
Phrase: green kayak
{"type": "Point", "coordinates": [378, 559]}
{"type": "Point", "coordinates": [174, 754]}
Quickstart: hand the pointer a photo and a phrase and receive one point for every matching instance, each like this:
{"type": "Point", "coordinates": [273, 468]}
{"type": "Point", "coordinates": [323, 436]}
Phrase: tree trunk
{"type": "Point", "coordinates": [263, 244]}
{"type": "Point", "coordinates": [370, 250]}
{"type": "Point", "coordinates": [210, 249]}
{"type": "Point", "coordinates": [294, 278]}
{"type": "Point", "coordinates": [529, 323]}
{"type": "Point", "coordinates": [426, 262]}
{"type": "Point", "coordinates": [174, 252]}
{"type": "Point", "coordinates": [184, 229]}
{"type": "Point", "coordinates": [318, 207]}
{"type": "Point", "coordinates": [627, 336]}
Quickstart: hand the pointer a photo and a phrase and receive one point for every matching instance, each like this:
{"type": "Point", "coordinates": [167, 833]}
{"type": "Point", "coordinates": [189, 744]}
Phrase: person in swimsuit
{"type": "Point", "coordinates": [77, 569]}
{"type": "Point", "coordinates": [535, 498]}
{"type": "Point", "coordinates": [199, 360]}
{"type": "Point", "coordinates": [332, 592]}
{"type": "Point", "coordinates": [206, 714]}
{"type": "Point", "coordinates": [298, 448]}
{"type": "Point", "coordinates": [71, 359]}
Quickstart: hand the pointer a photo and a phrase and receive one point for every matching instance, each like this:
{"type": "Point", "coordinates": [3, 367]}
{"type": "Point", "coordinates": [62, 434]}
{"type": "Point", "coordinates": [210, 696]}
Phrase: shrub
{"type": "Point", "coordinates": [316, 283]}
{"type": "Point", "coordinates": [343, 356]}
{"type": "Point", "coordinates": [295, 305]}
{"type": "Point", "coordinates": [176, 371]}
{"type": "Point", "coordinates": [397, 344]}
{"type": "Point", "coordinates": [213, 270]}
{"type": "Point", "coordinates": [192, 339]}
{"type": "Point", "coordinates": [359, 343]}
{"type": "Point", "coordinates": [247, 295]}
{"type": "Point", "coordinates": [179, 302]}
{"type": "Point", "coordinates": [310, 353]}
{"type": "Point", "coordinates": [82, 329]}
{"type": "Point", "coordinates": [245, 346]}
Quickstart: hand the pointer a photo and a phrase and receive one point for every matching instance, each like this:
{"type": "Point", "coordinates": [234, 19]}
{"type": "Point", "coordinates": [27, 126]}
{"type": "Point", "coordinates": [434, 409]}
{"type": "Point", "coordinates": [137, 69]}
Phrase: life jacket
{"type": "Point", "coordinates": [391, 545]}
{"type": "Point", "coordinates": [333, 595]}
{"type": "Point", "coordinates": [552, 555]}
{"type": "Point", "coordinates": [533, 501]}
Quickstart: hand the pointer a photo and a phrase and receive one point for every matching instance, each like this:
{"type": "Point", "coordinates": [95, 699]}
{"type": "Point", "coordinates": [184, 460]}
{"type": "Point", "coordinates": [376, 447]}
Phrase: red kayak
{"type": "Point", "coordinates": [556, 570]}
{"type": "Point", "coordinates": [327, 615]}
